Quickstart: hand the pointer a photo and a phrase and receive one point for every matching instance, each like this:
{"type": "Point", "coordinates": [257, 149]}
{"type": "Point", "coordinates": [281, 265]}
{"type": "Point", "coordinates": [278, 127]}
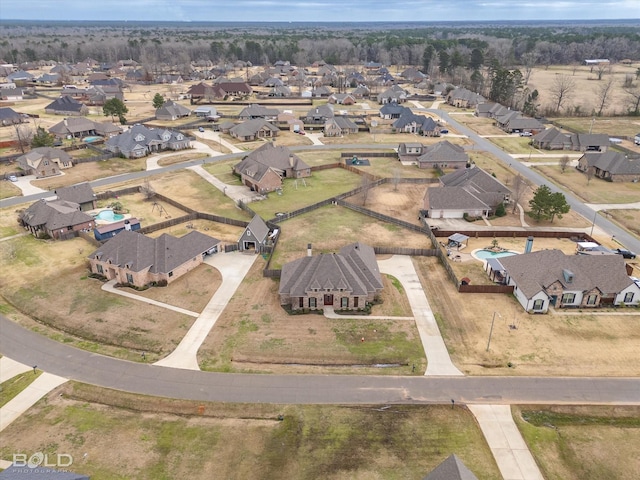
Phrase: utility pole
{"type": "Point", "coordinates": [491, 329]}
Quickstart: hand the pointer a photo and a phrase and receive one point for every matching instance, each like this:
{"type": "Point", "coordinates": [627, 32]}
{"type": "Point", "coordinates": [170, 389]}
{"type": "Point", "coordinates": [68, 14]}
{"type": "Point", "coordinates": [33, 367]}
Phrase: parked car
{"type": "Point", "coordinates": [201, 129]}
{"type": "Point", "coordinates": [444, 130]}
{"type": "Point", "coordinates": [526, 134]}
{"type": "Point", "coordinates": [12, 178]}
{"type": "Point", "coordinates": [625, 253]}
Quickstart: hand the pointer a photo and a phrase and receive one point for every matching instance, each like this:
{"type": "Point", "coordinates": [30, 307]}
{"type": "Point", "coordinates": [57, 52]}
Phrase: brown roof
{"type": "Point", "coordinates": [79, 193]}
{"type": "Point", "coordinates": [55, 214]}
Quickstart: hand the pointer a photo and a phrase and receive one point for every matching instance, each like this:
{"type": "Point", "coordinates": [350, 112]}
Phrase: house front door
{"type": "Point", "coordinates": [553, 300]}
{"type": "Point", "coordinates": [328, 300]}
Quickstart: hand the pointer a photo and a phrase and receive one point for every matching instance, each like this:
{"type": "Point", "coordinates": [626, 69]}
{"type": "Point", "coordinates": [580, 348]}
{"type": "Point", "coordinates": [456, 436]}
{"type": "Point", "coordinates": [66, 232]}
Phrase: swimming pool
{"type": "Point", "coordinates": [109, 216]}
{"type": "Point", "coordinates": [91, 139]}
{"type": "Point", "coordinates": [484, 254]}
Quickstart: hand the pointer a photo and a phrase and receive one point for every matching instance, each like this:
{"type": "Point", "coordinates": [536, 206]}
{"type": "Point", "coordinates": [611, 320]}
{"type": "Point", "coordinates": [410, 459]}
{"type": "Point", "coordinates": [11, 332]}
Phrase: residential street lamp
{"type": "Point", "coordinates": [491, 329]}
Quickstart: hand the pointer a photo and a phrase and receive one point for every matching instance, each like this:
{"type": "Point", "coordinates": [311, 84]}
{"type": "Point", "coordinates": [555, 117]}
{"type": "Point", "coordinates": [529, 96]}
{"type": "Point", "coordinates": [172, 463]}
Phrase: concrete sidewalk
{"type": "Point", "coordinates": [507, 445]}
{"type": "Point", "coordinates": [28, 397]}
{"type": "Point", "coordinates": [198, 147]}
{"type": "Point", "coordinates": [10, 368]}
{"type": "Point", "coordinates": [438, 360]}
{"type": "Point", "coordinates": [110, 287]}
{"type": "Point", "coordinates": [233, 267]}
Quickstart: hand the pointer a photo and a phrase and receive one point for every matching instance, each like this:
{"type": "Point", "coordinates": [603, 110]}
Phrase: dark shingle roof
{"type": "Point", "coordinates": [65, 104]}
{"type": "Point", "coordinates": [535, 271]}
{"type": "Point", "coordinates": [615, 163]}
{"type": "Point", "coordinates": [160, 255]}
{"type": "Point", "coordinates": [444, 151]}
{"type": "Point", "coordinates": [80, 193]}
{"type": "Point", "coordinates": [451, 468]}
{"type": "Point", "coordinates": [55, 214]}
{"type": "Point", "coordinates": [354, 269]}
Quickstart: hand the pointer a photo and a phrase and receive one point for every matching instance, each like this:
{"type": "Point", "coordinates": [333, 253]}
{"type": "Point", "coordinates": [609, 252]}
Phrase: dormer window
{"type": "Point", "coordinates": [139, 137]}
{"type": "Point", "coordinates": [180, 136]}
{"type": "Point", "coordinates": [166, 137]}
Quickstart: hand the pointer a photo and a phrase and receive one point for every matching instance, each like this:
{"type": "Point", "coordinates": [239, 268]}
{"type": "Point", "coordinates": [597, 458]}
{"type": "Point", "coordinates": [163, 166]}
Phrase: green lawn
{"type": "Point", "coordinates": [300, 193]}
{"type": "Point", "coordinates": [12, 387]}
{"type": "Point", "coordinates": [580, 442]}
{"type": "Point", "coordinates": [515, 145]}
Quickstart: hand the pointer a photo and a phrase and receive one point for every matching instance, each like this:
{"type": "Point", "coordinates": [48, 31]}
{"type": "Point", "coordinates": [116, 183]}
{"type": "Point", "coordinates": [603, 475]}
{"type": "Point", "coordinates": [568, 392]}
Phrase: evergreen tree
{"type": "Point", "coordinates": [42, 138]}
{"type": "Point", "coordinates": [158, 101]}
{"type": "Point", "coordinates": [116, 108]}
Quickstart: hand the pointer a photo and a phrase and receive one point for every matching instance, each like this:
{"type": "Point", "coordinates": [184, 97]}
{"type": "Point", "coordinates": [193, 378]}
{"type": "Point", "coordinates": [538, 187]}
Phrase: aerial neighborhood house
{"type": "Point", "coordinates": [469, 191]}
{"type": "Point", "coordinates": [8, 116]}
{"type": "Point", "coordinates": [394, 94]}
{"type": "Point", "coordinates": [409, 122]}
{"type": "Point", "coordinates": [550, 278]}
{"type": "Point", "coordinates": [171, 110]}
{"type": "Point", "coordinates": [80, 193]}
{"type": "Point", "coordinates": [346, 280]}
{"type": "Point", "coordinates": [338, 126]}
{"type": "Point", "coordinates": [589, 142]}
{"type": "Point", "coordinates": [611, 165]}
{"type": "Point", "coordinates": [451, 468]}
{"type": "Point", "coordinates": [342, 99]}
{"type": "Point", "coordinates": [551, 139]}
{"type": "Point", "coordinates": [254, 111]}
{"type": "Point", "coordinates": [206, 112]}
{"type": "Point", "coordinates": [11, 94]}
{"type": "Point", "coordinates": [463, 98]}
{"type": "Point", "coordinates": [443, 155]}
{"type": "Point", "coordinates": [515, 122]}
{"type": "Point", "coordinates": [264, 168]}
{"type": "Point", "coordinates": [66, 105]}
{"type": "Point", "coordinates": [409, 152]}
{"type": "Point", "coordinates": [80, 127]}
{"type": "Point", "coordinates": [45, 162]}
{"type": "Point", "coordinates": [132, 258]}
{"type": "Point", "coordinates": [58, 219]}
{"type": "Point", "coordinates": [254, 129]}
{"type": "Point", "coordinates": [255, 235]}
{"type": "Point", "coordinates": [391, 111]}
{"type": "Point", "coordinates": [139, 141]}
{"type": "Point", "coordinates": [319, 114]}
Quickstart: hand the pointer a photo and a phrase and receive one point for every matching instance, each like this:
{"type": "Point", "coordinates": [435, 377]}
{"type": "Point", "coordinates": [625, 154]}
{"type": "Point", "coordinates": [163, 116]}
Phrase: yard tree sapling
{"type": "Point", "coordinates": [158, 100]}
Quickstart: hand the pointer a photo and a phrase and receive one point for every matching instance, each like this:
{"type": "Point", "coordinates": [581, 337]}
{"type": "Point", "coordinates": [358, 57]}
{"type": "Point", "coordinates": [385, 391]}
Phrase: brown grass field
{"type": "Point", "coordinates": [114, 435]}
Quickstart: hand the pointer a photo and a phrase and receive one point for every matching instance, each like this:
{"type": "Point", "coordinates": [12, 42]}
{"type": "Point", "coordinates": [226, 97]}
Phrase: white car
{"type": "Point", "coordinates": [526, 134]}
{"type": "Point", "coordinates": [12, 178]}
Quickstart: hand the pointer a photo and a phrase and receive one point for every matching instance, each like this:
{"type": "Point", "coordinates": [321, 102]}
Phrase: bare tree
{"type": "Point", "coordinates": [633, 95]}
{"type": "Point", "coordinates": [601, 69]}
{"type": "Point", "coordinates": [562, 90]}
{"type": "Point", "coordinates": [24, 135]}
{"type": "Point", "coordinates": [396, 178]}
{"type": "Point", "coordinates": [518, 187]}
{"type": "Point", "coordinates": [591, 172]}
{"type": "Point", "coordinates": [564, 161]}
{"type": "Point", "coordinates": [366, 183]}
{"type": "Point", "coordinates": [147, 190]}
{"type": "Point", "coordinates": [603, 92]}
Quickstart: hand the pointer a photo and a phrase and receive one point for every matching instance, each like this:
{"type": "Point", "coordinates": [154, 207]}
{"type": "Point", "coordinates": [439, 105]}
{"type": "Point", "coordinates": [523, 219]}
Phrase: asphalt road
{"type": "Point", "coordinates": [31, 349]}
{"type": "Point", "coordinates": [621, 235]}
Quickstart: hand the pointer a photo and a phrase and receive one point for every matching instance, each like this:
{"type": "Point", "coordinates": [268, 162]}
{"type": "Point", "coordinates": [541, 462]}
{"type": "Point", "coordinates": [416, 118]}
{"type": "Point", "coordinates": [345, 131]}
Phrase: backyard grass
{"type": "Point", "coordinates": [112, 435]}
{"type": "Point", "coordinates": [300, 193]}
{"type": "Point", "coordinates": [86, 172]}
{"type": "Point", "coordinates": [596, 191]}
{"type": "Point", "coordinates": [578, 442]}
{"type": "Point", "coordinates": [12, 387]}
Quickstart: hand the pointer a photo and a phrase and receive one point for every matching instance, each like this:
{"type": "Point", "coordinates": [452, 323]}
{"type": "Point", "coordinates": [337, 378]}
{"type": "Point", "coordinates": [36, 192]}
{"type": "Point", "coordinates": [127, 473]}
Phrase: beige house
{"type": "Point", "coordinates": [45, 162]}
{"type": "Point", "coordinates": [132, 258]}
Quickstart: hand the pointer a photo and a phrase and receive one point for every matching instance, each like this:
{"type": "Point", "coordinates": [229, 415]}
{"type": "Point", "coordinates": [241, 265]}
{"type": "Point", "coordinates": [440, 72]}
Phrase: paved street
{"type": "Point", "coordinates": [59, 359]}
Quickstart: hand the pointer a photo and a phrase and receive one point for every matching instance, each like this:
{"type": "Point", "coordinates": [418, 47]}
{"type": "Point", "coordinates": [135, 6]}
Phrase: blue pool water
{"type": "Point", "coordinates": [484, 254]}
{"type": "Point", "coordinates": [91, 139]}
{"type": "Point", "coordinates": [109, 216]}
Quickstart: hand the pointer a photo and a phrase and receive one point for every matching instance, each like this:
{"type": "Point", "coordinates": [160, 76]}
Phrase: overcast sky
{"type": "Point", "coordinates": [318, 10]}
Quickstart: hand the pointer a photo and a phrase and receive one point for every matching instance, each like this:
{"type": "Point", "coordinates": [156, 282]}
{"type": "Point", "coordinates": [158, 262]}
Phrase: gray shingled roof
{"type": "Point", "coordinates": [255, 111]}
{"type": "Point", "coordinates": [258, 228]}
{"type": "Point", "coordinates": [476, 178]}
{"type": "Point", "coordinates": [451, 468]}
{"type": "Point", "coordinates": [160, 255]}
{"type": "Point", "coordinates": [65, 104]}
{"type": "Point", "coordinates": [444, 151]}
{"type": "Point", "coordinates": [251, 127]}
{"type": "Point", "coordinates": [613, 162]}
{"type": "Point", "coordinates": [553, 137]}
{"type": "Point", "coordinates": [126, 142]}
{"type": "Point", "coordinates": [79, 193]}
{"type": "Point", "coordinates": [535, 271]}
{"type": "Point", "coordinates": [270, 156]}
{"type": "Point", "coordinates": [354, 270]}
{"type": "Point", "coordinates": [453, 198]}
{"type": "Point", "coordinates": [55, 214]}
{"type": "Point", "coordinates": [173, 109]}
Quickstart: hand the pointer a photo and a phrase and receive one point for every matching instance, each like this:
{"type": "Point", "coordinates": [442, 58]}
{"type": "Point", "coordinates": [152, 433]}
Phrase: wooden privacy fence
{"type": "Point", "coordinates": [515, 233]}
{"type": "Point", "coordinates": [418, 252]}
{"type": "Point", "coordinates": [485, 289]}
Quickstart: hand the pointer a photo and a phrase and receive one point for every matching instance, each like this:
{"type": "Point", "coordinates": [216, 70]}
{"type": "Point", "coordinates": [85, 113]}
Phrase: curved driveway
{"type": "Point", "coordinates": [31, 348]}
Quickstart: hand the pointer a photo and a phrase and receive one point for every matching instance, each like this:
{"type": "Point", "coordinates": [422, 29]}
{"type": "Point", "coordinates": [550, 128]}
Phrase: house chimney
{"type": "Point", "coordinates": [291, 160]}
{"type": "Point", "coordinates": [127, 225]}
{"type": "Point", "coordinates": [309, 250]}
